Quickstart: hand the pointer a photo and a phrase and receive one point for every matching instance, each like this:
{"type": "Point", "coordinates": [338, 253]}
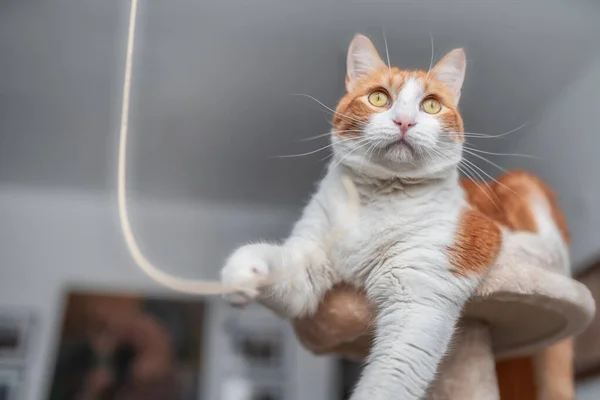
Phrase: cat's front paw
{"type": "Point", "coordinates": [245, 269]}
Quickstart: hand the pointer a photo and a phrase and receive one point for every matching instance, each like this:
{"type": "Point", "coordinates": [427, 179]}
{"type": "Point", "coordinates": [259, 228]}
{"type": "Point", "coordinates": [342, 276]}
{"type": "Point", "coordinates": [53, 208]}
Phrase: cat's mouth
{"type": "Point", "coordinates": [400, 144]}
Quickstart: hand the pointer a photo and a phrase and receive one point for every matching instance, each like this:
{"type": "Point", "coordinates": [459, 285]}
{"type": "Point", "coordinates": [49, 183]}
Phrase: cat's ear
{"type": "Point", "coordinates": [450, 70]}
{"type": "Point", "coordinates": [362, 59]}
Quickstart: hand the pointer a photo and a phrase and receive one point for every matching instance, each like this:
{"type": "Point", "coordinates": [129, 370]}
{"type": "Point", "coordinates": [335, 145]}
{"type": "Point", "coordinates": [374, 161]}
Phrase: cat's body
{"type": "Point", "coordinates": [417, 246]}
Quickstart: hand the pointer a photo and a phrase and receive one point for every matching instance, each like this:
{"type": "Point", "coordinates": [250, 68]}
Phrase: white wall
{"type": "Point", "coordinates": [50, 241]}
{"type": "Point", "coordinates": [567, 137]}
{"type": "Point", "coordinates": [589, 390]}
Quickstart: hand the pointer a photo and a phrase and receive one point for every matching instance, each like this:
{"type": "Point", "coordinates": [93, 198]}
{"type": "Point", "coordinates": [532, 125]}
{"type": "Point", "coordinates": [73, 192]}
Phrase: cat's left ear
{"type": "Point", "coordinates": [362, 60]}
{"type": "Point", "coordinates": [450, 70]}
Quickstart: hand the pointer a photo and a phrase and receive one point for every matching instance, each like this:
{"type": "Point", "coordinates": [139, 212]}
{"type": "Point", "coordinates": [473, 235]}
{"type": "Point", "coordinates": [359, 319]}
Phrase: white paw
{"type": "Point", "coordinates": [246, 267]}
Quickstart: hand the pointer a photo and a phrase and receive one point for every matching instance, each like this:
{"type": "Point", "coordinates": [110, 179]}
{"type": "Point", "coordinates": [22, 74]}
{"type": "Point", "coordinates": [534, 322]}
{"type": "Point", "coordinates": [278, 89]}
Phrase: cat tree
{"type": "Point", "coordinates": [520, 308]}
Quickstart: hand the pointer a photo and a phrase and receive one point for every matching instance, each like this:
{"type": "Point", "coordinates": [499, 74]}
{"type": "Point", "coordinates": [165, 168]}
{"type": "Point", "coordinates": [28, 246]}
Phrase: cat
{"type": "Point", "coordinates": [418, 248]}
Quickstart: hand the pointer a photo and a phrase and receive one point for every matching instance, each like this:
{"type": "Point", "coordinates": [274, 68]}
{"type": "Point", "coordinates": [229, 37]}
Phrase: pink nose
{"type": "Point", "coordinates": [404, 124]}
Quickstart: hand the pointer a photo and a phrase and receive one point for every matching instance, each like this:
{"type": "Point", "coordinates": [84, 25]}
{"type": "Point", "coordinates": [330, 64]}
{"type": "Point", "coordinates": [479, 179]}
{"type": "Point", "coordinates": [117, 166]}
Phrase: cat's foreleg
{"type": "Point", "coordinates": [418, 308]}
{"type": "Point", "coordinates": [300, 266]}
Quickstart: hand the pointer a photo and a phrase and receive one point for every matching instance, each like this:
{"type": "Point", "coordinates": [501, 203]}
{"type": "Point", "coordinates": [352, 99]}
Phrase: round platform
{"type": "Point", "coordinates": [528, 308]}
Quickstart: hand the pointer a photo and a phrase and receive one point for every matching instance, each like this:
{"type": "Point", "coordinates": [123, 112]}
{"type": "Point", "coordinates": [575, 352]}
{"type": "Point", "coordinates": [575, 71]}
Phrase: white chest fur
{"type": "Point", "coordinates": [407, 226]}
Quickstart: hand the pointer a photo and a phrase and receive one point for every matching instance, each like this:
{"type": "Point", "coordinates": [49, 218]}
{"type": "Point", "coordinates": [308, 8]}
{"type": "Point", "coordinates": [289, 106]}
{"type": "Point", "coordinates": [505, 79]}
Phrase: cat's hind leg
{"type": "Point", "coordinates": [539, 232]}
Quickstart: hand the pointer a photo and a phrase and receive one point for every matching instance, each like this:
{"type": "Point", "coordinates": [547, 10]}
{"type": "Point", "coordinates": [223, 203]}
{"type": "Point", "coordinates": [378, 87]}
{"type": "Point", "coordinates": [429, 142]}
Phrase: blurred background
{"type": "Point", "coordinates": [212, 105]}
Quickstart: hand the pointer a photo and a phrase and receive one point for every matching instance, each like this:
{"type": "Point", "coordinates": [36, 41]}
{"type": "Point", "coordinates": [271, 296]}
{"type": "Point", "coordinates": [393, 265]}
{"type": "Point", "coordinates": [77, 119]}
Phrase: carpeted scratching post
{"type": "Point", "coordinates": [519, 309]}
{"type": "Point", "coordinates": [469, 369]}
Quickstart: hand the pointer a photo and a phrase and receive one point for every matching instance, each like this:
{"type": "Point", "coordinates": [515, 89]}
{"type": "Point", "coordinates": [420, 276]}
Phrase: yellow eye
{"type": "Point", "coordinates": [379, 98]}
{"type": "Point", "coordinates": [431, 105]}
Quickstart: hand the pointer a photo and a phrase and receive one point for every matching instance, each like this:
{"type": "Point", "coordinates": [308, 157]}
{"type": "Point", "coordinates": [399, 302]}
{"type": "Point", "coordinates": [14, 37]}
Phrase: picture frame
{"type": "Point", "coordinates": [15, 332]}
{"type": "Point", "coordinates": [110, 334]}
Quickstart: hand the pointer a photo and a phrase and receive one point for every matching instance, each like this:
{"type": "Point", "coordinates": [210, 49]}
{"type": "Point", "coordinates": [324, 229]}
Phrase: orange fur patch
{"type": "Point", "coordinates": [526, 185]}
{"type": "Point", "coordinates": [477, 244]}
{"type": "Point", "coordinates": [508, 201]}
{"type": "Point", "coordinates": [482, 197]}
{"type": "Point", "coordinates": [354, 110]}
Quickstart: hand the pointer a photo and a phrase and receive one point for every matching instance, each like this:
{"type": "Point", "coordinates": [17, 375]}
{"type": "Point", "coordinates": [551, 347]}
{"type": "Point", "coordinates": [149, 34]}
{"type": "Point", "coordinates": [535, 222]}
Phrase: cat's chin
{"type": "Point", "coordinates": [401, 151]}
{"type": "Point", "coordinates": [394, 167]}
{"type": "Point", "coordinates": [377, 169]}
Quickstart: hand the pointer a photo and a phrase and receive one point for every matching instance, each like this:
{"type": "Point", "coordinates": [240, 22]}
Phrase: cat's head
{"type": "Point", "coordinates": [399, 123]}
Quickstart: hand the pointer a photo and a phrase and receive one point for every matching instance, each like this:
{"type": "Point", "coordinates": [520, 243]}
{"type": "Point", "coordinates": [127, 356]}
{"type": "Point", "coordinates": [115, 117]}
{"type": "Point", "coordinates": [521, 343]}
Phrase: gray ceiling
{"type": "Point", "coordinates": [213, 82]}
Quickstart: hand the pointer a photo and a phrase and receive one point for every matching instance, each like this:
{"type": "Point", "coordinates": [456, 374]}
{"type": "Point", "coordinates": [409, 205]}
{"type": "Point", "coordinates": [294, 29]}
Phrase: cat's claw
{"type": "Point", "coordinates": [245, 270]}
{"type": "Point", "coordinates": [241, 298]}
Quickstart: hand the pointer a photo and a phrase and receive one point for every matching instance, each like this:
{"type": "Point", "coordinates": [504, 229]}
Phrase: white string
{"type": "Point", "coordinates": [198, 287]}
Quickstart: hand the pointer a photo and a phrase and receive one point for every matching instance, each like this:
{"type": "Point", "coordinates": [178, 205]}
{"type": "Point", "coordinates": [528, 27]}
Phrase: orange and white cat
{"type": "Point", "coordinates": [418, 247]}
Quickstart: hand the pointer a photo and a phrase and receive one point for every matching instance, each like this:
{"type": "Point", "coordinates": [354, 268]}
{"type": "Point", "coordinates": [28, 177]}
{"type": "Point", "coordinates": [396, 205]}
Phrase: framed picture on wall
{"type": "Point", "coordinates": [10, 383]}
{"type": "Point", "coordinates": [15, 330]}
{"type": "Point", "coordinates": [129, 346]}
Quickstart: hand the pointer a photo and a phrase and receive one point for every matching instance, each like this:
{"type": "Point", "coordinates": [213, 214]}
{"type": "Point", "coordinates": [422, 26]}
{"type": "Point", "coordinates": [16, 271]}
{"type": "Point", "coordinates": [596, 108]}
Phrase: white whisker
{"type": "Point", "coordinates": [473, 168]}
{"type": "Point", "coordinates": [468, 164]}
{"type": "Point", "coordinates": [432, 56]}
{"type": "Point", "coordinates": [387, 52]}
{"type": "Point", "coordinates": [308, 153]}
{"type": "Point", "coordinates": [487, 194]}
{"type": "Point", "coordinates": [484, 159]}
{"type": "Point", "coordinates": [319, 149]}
{"type": "Point", "coordinates": [350, 152]}
{"type": "Point", "coordinates": [488, 136]}
{"type": "Point", "coordinates": [500, 154]}
{"type": "Point", "coordinates": [329, 134]}
{"type": "Point", "coordinates": [366, 157]}
{"type": "Point", "coordinates": [329, 108]}
{"type": "Point", "coordinates": [495, 180]}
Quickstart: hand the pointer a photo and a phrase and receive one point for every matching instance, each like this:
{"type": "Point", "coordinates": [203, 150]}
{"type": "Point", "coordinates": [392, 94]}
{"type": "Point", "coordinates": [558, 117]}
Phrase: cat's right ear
{"type": "Point", "coordinates": [362, 59]}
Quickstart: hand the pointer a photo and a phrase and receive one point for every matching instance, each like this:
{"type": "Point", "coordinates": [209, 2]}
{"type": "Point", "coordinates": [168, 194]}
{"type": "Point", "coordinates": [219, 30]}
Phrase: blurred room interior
{"type": "Point", "coordinates": [212, 106]}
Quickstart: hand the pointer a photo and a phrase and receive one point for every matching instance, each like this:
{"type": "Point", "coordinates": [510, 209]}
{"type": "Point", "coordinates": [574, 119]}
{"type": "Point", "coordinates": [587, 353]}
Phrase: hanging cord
{"type": "Point", "coordinates": [198, 287]}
